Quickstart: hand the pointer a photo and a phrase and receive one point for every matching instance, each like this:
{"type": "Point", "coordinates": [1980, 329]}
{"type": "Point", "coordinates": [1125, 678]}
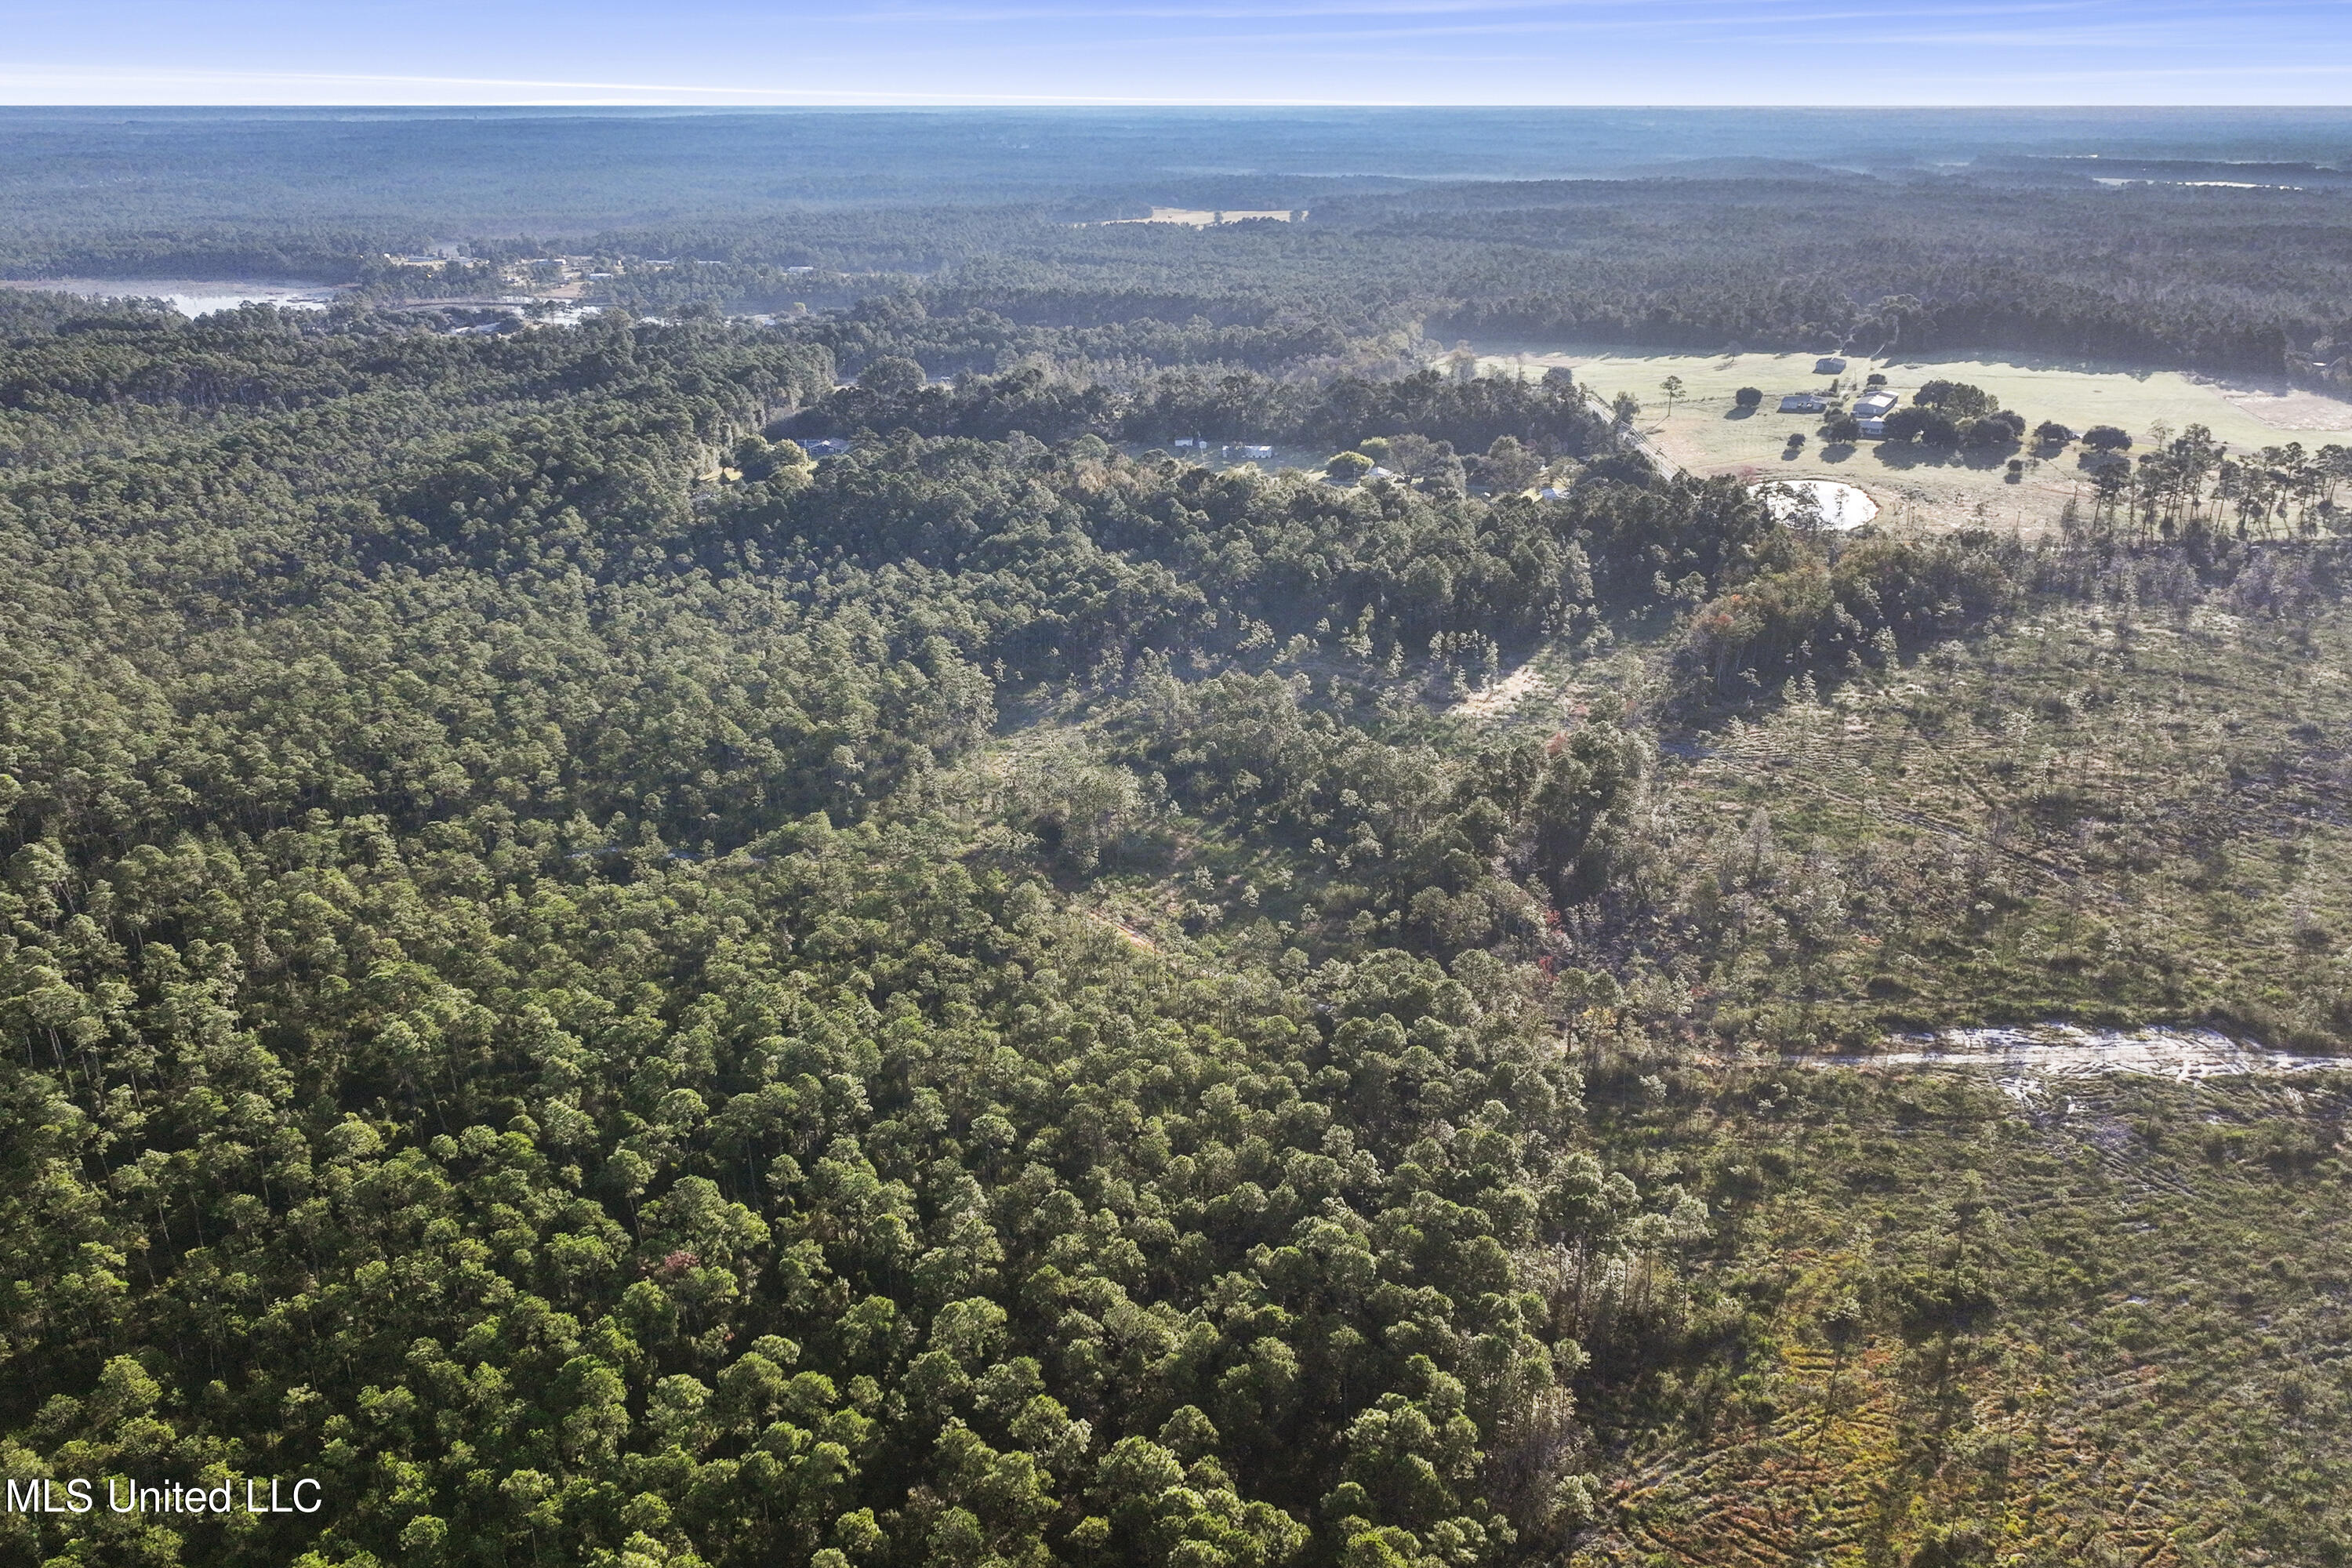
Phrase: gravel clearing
{"type": "Point", "coordinates": [2069, 1050]}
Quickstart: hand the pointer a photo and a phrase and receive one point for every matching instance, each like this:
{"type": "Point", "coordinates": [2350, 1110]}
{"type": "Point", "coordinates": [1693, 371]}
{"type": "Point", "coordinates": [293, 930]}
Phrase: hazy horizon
{"type": "Point", "coordinates": [500, 169]}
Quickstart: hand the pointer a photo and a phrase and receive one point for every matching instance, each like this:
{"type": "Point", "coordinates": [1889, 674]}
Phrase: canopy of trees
{"type": "Point", "coordinates": [515, 1005]}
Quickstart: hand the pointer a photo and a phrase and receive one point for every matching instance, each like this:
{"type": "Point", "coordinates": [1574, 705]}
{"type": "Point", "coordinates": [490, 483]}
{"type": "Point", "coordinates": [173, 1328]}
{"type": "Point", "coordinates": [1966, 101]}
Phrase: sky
{"type": "Point", "coordinates": [721, 53]}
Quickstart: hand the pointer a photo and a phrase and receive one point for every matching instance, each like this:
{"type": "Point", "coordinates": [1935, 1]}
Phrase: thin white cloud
{"type": "Point", "coordinates": [1679, 14]}
{"type": "Point", "coordinates": [1271, 53]}
{"type": "Point", "coordinates": [271, 87]}
{"type": "Point", "coordinates": [2008, 23]}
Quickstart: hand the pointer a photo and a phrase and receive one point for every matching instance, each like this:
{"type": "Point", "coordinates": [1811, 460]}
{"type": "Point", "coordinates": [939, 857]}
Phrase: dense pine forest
{"type": "Point", "coordinates": [679, 941]}
{"type": "Point", "coordinates": [537, 1003]}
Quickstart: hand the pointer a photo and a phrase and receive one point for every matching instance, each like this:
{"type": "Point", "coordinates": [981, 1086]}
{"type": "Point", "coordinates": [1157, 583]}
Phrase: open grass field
{"type": "Point", "coordinates": [1706, 434]}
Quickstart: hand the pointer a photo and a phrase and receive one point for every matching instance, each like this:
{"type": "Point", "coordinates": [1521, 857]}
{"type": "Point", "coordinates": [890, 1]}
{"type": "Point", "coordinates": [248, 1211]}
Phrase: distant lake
{"type": "Point", "coordinates": [190, 296]}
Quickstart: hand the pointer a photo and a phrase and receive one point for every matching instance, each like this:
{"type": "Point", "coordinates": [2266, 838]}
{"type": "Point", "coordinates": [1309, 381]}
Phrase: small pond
{"type": "Point", "coordinates": [191, 297]}
{"type": "Point", "coordinates": [1840, 506]}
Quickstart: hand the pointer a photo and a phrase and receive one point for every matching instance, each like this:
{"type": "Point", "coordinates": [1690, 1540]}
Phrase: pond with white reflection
{"type": "Point", "coordinates": [1836, 506]}
{"type": "Point", "coordinates": [190, 296]}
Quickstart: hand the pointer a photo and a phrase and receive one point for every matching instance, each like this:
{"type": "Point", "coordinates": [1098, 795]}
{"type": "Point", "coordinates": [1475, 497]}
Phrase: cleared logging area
{"type": "Point", "coordinates": [2106, 1330]}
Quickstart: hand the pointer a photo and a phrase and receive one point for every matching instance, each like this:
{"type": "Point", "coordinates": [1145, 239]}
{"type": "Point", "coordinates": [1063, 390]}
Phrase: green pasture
{"type": "Point", "coordinates": [1707, 434]}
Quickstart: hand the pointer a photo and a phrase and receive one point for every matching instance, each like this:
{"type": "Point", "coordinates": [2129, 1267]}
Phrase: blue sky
{"type": "Point", "coordinates": [740, 52]}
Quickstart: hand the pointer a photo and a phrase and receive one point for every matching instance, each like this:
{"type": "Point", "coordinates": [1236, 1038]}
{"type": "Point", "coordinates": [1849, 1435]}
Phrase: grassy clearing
{"type": "Point", "coordinates": [1933, 1327]}
{"type": "Point", "coordinates": [2095, 815]}
{"type": "Point", "coordinates": [1709, 435]}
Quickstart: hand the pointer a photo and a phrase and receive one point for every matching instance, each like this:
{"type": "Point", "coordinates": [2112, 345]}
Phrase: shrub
{"type": "Point", "coordinates": [1993, 432]}
{"type": "Point", "coordinates": [1818, 614]}
{"type": "Point", "coordinates": [1748, 397]}
{"type": "Point", "coordinates": [1956, 398]}
{"type": "Point", "coordinates": [1928, 426]}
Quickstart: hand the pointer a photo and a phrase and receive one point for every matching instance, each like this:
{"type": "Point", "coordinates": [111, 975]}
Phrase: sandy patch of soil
{"type": "Point", "coordinates": [1495, 701]}
{"type": "Point", "coordinates": [2296, 410]}
{"type": "Point", "coordinates": [2068, 1050]}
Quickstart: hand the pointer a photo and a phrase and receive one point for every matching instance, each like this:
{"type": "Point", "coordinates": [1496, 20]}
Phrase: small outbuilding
{"type": "Point", "coordinates": [1803, 402]}
{"type": "Point", "coordinates": [1829, 365]}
